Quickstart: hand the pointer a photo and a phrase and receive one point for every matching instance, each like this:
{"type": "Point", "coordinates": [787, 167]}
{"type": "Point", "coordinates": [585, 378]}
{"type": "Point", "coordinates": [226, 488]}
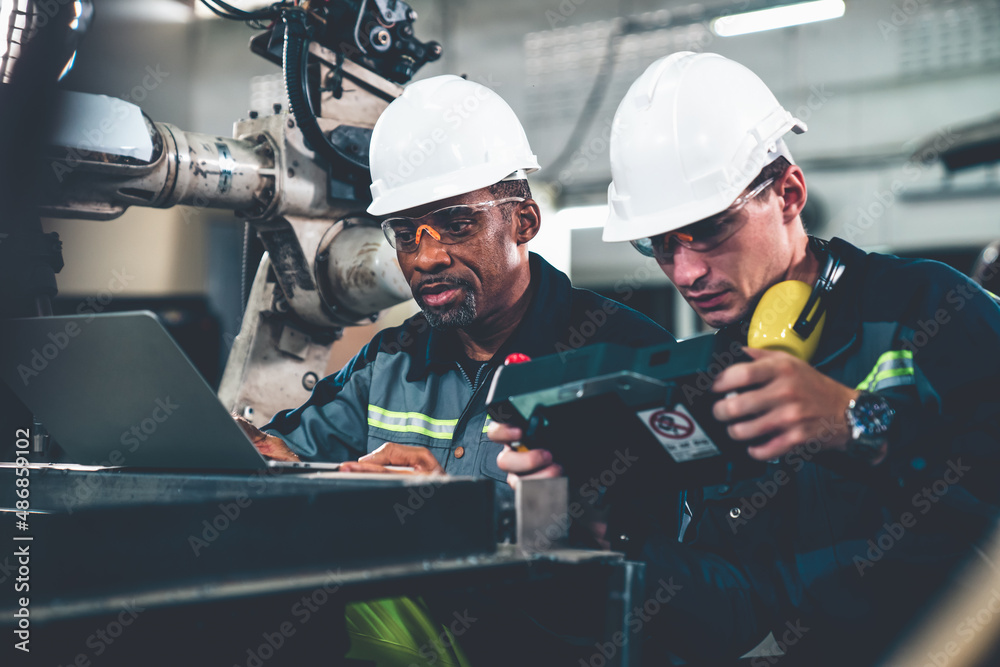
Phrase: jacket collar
{"type": "Point", "coordinates": [843, 314]}
{"type": "Point", "coordinates": [842, 308]}
{"type": "Point", "coordinates": [544, 323]}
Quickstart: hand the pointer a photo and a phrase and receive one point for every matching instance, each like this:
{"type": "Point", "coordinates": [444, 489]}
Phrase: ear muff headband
{"type": "Point", "coordinates": [828, 277]}
{"type": "Point", "coordinates": [791, 314]}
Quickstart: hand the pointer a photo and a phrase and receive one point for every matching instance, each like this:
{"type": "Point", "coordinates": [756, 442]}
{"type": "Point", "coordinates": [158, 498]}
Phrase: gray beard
{"type": "Point", "coordinates": [456, 317]}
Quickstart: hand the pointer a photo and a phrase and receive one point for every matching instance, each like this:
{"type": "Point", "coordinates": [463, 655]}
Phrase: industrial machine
{"type": "Point", "coordinates": [298, 177]}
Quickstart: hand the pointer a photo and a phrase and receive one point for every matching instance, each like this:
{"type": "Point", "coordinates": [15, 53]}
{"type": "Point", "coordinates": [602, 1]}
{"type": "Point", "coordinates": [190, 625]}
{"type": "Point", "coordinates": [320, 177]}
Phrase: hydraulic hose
{"type": "Point", "coordinates": [295, 57]}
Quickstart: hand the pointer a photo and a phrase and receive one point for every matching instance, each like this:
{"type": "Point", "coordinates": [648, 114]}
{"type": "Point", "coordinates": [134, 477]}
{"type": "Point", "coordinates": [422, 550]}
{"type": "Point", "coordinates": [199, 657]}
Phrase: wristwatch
{"type": "Point", "coordinates": [869, 416]}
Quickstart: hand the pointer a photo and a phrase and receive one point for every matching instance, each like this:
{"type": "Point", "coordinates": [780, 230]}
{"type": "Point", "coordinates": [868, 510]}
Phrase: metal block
{"type": "Point", "coordinates": [542, 508]}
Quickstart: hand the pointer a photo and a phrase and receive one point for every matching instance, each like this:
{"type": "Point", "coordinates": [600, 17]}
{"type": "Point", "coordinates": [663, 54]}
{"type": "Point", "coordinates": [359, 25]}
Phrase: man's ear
{"type": "Point", "coordinates": [528, 219]}
{"type": "Point", "coordinates": [791, 187]}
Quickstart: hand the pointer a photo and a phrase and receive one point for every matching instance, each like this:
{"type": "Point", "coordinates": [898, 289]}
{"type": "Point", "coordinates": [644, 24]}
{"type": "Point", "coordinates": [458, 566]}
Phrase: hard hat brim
{"type": "Point", "coordinates": [624, 224]}
{"type": "Point", "coordinates": [387, 199]}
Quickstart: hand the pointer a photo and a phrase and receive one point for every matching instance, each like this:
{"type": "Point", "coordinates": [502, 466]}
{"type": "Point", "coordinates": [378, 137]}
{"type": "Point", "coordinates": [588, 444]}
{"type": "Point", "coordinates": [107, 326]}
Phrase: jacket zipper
{"type": "Point", "coordinates": [476, 387]}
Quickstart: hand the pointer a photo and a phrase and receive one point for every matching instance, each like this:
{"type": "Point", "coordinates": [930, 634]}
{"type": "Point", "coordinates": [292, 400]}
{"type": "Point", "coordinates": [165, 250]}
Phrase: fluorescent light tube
{"type": "Point", "coordinates": [778, 17]}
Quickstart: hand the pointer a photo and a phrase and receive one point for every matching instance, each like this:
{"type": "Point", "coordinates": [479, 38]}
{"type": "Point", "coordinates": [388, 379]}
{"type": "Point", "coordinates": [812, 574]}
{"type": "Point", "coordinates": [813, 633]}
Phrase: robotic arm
{"type": "Point", "coordinates": [298, 177]}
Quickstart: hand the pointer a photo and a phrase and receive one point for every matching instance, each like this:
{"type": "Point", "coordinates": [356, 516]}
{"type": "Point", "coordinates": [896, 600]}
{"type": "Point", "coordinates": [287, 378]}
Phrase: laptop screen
{"type": "Point", "coordinates": [115, 389]}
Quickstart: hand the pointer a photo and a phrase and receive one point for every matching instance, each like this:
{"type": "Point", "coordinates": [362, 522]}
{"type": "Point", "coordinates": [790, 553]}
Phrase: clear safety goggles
{"type": "Point", "coordinates": [703, 235]}
{"type": "Point", "coordinates": [449, 225]}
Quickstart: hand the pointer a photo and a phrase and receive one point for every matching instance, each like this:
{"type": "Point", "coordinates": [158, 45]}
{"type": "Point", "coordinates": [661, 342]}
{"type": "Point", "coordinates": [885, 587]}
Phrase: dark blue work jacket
{"type": "Point", "coordinates": [407, 386]}
{"type": "Point", "coordinates": [831, 554]}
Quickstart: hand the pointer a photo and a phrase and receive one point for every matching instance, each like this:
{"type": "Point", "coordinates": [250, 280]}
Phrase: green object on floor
{"type": "Point", "coordinates": [400, 632]}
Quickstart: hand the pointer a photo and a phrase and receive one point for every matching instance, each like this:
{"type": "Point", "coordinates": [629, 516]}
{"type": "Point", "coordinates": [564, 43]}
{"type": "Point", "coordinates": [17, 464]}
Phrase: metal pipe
{"type": "Point", "coordinates": [189, 168]}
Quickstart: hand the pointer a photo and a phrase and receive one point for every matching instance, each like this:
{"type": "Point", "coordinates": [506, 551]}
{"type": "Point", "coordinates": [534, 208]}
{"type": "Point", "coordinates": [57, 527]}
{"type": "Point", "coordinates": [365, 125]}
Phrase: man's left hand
{"type": "Point", "coordinates": [784, 399]}
{"type": "Point", "coordinates": [395, 454]}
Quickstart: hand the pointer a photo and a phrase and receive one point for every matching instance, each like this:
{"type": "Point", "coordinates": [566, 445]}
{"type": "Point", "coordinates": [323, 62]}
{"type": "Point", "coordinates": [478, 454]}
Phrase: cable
{"type": "Point", "coordinates": [266, 12]}
{"type": "Point", "coordinates": [357, 27]}
{"type": "Point", "coordinates": [231, 8]}
{"type": "Point", "coordinates": [590, 108]}
{"type": "Point", "coordinates": [295, 58]}
{"type": "Point", "coordinates": [228, 11]}
{"type": "Point", "coordinates": [217, 12]}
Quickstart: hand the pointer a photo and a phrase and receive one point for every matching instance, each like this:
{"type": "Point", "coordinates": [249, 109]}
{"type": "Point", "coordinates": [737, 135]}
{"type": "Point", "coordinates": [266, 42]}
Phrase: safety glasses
{"type": "Point", "coordinates": [703, 235]}
{"type": "Point", "coordinates": [449, 225]}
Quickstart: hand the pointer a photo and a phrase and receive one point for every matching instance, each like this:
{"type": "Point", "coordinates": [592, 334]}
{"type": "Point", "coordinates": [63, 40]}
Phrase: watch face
{"type": "Point", "coordinates": [870, 418]}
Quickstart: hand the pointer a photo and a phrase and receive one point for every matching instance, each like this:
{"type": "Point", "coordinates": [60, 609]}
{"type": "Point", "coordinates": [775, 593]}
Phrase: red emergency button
{"type": "Point", "coordinates": [516, 358]}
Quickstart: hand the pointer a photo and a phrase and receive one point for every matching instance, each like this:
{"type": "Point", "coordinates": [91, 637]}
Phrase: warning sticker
{"type": "Point", "coordinates": [679, 433]}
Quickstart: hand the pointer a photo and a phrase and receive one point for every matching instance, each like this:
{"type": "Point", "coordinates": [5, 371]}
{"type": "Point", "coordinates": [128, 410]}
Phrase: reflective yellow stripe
{"type": "Point", "coordinates": [892, 372]}
{"type": "Point", "coordinates": [410, 428]}
{"type": "Point", "coordinates": [905, 356]}
{"type": "Point", "coordinates": [412, 415]}
{"type": "Point", "coordinates": [863, 385]}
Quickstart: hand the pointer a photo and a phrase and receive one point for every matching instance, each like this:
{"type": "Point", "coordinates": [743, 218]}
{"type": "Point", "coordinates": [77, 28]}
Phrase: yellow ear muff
{"type": "Point", "coordinates": [772, 326]}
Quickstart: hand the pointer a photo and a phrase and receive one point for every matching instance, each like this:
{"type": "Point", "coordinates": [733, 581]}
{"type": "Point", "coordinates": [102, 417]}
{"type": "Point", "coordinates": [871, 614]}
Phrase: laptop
{"type": "Point", "coordinates": [115, 390]}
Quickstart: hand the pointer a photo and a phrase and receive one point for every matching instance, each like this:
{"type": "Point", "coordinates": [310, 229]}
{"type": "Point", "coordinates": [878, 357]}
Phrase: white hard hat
{"type": "Point", "coordinates": [691, 134]}
{"type": "Point", "coordinates": [442, 137]}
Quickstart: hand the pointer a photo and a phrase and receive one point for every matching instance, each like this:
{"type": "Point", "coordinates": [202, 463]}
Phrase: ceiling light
{"type": "Point", "coordinates": [778, 17]}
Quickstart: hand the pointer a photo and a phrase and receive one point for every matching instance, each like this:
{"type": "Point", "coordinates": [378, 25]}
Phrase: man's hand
{"type": "Point", "coordinates": [270, 446]}
{"type": "Point", "coordinates": [784, 398]}
{"type": "Point", "coordinates": [532, 464]}
{"type": "Point", "coordinates": [537, 464]}
{"type": "Point", "coordinates": [395, 454]}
